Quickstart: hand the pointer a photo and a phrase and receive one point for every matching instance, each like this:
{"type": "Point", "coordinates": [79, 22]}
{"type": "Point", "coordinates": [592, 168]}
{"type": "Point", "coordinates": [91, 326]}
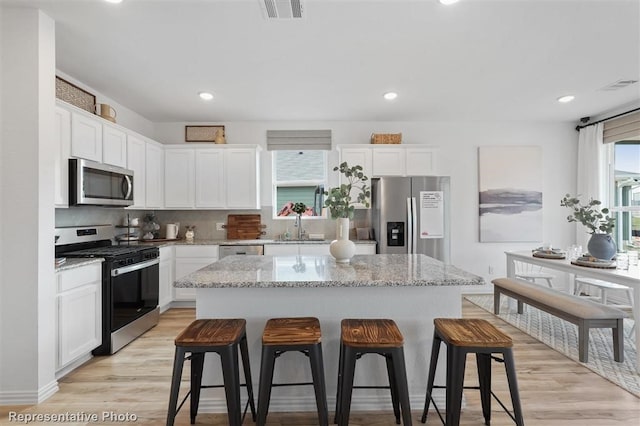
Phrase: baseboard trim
{"type": "Point", "coordinates": [29, 397]}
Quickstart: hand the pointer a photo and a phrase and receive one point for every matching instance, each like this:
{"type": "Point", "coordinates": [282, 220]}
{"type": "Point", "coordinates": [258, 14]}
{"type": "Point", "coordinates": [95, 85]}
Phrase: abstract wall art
{"type": "Point", "coordinates": [510, 193]}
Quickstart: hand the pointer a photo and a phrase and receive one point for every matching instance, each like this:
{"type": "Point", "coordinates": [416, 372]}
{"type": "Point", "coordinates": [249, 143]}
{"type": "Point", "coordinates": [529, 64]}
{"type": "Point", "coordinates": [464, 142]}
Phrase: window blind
{"type": "Point", "coordinates": [622, 128]}
{"type": "Point", "coordinates": [291, 140]}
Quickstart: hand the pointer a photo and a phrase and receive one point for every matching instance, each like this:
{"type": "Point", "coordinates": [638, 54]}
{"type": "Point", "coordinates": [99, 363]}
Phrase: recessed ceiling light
{"type": "Point", "coordinates": [447, 2]}
{"type": "Point", "coordinates": [565, 99]}
{"type": "Point", "coordinates": [113, 1]}
{"type": "Point", "coordinates": [206, 96]}
{"type": "Point", "coordinates": [390, 96]}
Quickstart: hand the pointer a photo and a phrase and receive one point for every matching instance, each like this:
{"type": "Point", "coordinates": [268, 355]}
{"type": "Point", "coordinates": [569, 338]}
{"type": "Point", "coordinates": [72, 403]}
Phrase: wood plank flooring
{"type": "Point", "coordinates": [554, 390]}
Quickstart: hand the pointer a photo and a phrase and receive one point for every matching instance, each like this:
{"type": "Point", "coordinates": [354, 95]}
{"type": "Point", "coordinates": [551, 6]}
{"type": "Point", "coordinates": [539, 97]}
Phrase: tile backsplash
{"type": "Point", "coordinates": [203, 220]}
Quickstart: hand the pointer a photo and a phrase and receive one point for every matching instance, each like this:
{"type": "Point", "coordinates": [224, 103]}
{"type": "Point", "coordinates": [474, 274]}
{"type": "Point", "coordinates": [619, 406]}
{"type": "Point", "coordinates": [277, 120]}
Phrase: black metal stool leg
{"type": "Point", "coordinates": [483, 362]}
{"type": "Point", "coordinates": [348, 371]}
{"type": "Point", "coordinates": [178, 362]}
{"type": "Point", "coordinates": [435, 351]}
{"type": "Point", "coordinates": [197, 363]}
{"type": "Point", "coordinates": [510, 369]}
{"type": "Point", "coordinates": [339, 387]}
{"type": "Point", "coordinates": [455, 381]}
{"type": "Point", "coordinates": [244, 352]}
{"type": "Point", "coordinates": [317, 372]}
{"type": "Point", "coordinates": [267, 364]}
{"type": "Point", "coordinates": [393, 388]}
{"type": "Point", "coordinates": [401, 384]}
{"type": "Point", "coordinates": [231, 374]}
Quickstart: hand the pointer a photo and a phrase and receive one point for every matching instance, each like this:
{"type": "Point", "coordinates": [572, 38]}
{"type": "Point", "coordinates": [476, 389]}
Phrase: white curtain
{"type": "Point", "coordinates": [592, 172]}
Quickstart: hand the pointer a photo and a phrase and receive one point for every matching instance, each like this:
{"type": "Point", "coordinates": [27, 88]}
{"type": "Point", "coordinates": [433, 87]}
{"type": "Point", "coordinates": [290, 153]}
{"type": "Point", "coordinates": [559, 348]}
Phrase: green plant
{"type": "Point", "coordinates": [339, 200]}
{"type": "Point", "coordinates": [597, 220]}
{"type": "Point", "coordinates": [299, 208]}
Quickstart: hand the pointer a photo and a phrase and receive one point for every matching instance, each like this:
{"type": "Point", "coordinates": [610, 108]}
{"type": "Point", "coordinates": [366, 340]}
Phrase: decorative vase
{"type": "Point", "coordinates": [342, 249]}
{"type": "Point", "coordinates": [602, 246]}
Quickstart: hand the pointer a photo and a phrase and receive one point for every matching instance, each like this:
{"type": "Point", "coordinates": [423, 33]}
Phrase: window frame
{"type": "Point", "coordinates": [612, 194]}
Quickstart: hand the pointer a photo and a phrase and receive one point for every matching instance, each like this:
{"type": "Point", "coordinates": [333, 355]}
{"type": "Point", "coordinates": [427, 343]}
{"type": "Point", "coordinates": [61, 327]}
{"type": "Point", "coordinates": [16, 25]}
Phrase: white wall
{"type": "Point", "coordinates": [124, 116]}
{"type": "Point", "coordinates": [459, 142]}
{"type": "Point", "coordinates": [27, 307]}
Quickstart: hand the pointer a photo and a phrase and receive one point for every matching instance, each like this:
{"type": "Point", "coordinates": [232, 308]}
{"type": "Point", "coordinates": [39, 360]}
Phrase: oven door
{"type": "Point", "coordinates": [134, 292]}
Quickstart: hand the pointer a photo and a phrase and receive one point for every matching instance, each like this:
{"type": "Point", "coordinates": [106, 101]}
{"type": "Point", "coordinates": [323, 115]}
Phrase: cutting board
{"type": "Point", "coordinates": [244, 227]}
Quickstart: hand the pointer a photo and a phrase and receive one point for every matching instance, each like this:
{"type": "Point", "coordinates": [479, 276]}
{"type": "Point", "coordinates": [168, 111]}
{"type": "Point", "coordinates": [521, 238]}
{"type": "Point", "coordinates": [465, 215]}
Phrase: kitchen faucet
{"type": "Point", "coordinates": [298, 224]}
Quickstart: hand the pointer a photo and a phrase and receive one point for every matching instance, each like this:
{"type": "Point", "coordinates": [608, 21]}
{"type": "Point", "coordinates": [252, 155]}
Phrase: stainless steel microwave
{"type": "Point", "coordinates": [95, 184]}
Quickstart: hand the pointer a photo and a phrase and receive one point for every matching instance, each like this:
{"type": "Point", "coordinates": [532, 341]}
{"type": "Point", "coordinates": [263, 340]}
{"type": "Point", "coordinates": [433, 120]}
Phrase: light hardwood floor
{"type": "Point", "coordinates": [554, 390]}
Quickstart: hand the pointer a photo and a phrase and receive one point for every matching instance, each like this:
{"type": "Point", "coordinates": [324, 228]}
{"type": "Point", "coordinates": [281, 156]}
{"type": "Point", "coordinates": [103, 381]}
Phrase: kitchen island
{"type": "Point", "coordinates": [410, 289]}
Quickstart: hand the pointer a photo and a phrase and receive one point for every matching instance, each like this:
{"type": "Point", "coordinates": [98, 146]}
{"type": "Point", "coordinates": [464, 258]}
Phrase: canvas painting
{"type": "Point", "coordinates": [510, 187]}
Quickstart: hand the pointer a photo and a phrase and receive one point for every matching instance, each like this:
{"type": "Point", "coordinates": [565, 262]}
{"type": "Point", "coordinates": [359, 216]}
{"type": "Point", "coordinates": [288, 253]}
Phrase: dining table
{"type": "Point", "coordinates": [629, 277]}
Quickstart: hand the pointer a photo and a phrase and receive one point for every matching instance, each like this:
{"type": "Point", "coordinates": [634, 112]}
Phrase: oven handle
{"type": "Point", "coordinates": [136, 267]}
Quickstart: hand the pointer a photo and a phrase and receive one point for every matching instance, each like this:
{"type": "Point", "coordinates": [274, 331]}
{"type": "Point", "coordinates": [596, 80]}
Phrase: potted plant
{"type": "Point", "coordinates": [341, 207]}
{"type": "Point", "coordinates": [598, 222]}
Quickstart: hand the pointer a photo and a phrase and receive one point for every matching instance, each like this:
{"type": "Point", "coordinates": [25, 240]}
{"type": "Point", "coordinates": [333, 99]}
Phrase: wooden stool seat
{"type": "Point", "coordinates": [475, 333]}
{"type": "Point", "coordinates": [212, 332]}
{"type": "Point", "coordinates": [372, 336]}
{"type": "Point", "coordinates": [292, 331]}
{"type": "Point", "coordinates": [364, 333]}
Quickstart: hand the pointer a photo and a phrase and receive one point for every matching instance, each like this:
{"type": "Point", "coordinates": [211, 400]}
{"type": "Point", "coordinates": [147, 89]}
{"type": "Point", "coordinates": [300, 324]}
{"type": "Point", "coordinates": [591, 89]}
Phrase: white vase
{"type": "Point", "coordinates": [342, 248]}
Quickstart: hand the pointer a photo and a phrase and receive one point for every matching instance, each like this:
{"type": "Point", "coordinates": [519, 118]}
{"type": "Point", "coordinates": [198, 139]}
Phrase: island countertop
{"type": "Point", "coordinates": [380, 270]}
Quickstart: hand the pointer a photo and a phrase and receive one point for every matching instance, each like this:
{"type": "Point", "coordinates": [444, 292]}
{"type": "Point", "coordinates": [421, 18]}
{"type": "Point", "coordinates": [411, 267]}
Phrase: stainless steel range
{"type": "Point", "coordinates": [130, 282]}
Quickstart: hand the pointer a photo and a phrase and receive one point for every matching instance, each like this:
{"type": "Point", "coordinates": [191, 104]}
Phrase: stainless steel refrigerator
{"type": "Point", "coordinates": [411, 215]}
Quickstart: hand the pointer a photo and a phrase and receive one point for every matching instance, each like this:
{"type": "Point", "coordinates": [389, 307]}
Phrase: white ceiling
{"type": "Point", "coordinates": [474, 60]}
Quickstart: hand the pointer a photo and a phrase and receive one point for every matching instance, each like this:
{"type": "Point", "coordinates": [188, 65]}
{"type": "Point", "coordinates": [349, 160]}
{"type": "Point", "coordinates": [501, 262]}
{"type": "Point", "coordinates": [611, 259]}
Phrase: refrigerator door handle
{"type": "Point", "coordinates": [414, 228]}
{"type": "Point", "coordinates": [409, 235]}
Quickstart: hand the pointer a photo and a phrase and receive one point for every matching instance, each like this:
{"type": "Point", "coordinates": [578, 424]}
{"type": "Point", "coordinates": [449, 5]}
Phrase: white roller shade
{"type": "Point", "coordinates": [291, 140]}
{"type": "Point", "coordinates": [622, 128]}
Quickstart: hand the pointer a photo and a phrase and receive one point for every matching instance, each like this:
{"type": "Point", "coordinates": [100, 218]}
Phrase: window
{"type": "Point", "coordinates": [299, 177]}
{"type": "Point", "coordinates": [625, 193]}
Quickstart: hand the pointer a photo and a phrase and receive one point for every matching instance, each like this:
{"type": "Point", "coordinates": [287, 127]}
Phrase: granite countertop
{"type": "Point", "coordinates": [205, 242]}
{"type": "Point", "coordinates": [381, 270]}
{"type": "Point", "coordinates": [73, 263]}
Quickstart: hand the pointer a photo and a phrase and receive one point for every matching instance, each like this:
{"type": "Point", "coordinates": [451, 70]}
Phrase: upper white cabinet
{"type": "Point", "coordinates": [392, 160]}
{"type": "Point", "coordinates": [114, 146]}
{"type": "Point", "coordinates": [209, 182]}
{"type": "Point", "coordinates": [154, 175]}
{"type": "Point", "coordinates": [179, 178]}
{"type": "Point", "coordinates": [356, 155]}
{"type": "Point", "coordinates": [212, 177]}
{"type": "Point", "coordinates": [63, 151]}
{"type": "Point", "coordinates": [136, 161]}
{"type": "Point", "coordinates": [86, 137]}
{"type": "Point", "coordinates": [242, 178]}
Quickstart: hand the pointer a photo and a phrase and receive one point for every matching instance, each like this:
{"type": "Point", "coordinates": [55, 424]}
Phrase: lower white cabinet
{"type": "Point", "coordinates": [166, 277]}
{"type": "Point", "coordinates": [310, 249]}
{"type": "Point", "coordinates": [79, 313]}
{"type": "Point", "coordinates": [189, 259]}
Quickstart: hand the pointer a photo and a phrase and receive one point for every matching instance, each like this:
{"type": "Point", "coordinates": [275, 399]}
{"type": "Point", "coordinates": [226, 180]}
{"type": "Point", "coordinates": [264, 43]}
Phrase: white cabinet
{"type": "Point", "coordinates": [86, 137]}
{"type": "Point", "coordinates": [310, 249]}
{"type": "Point", "coordinates": [179, 178]}
{"type": "Point", "coordinates": [392, 160]}
{"type": "Point", "coordinates": [79, 313]}
{"type": "Point", "coordinates": [136, 153]}
{"type": "Point", "coordinates": [212, 177]}
{"type": "Point", "coordinates": [242, 175]}
{"type": "Point", "coordinates": [209, 180]}
{"type": "Point", "coordinates": [189, 259]}
{"type": "Point", "coordinates": [281, 249]}
{"type": "Point", "coordinates": [114, 146]}
{"type": "Point", "coordinates": [166, 277]}
{"type": "Point", "coordinates": [365, 249]}
{"type": "Point", "coordinates": [154, 176]}
{"type": "Point", "coordinates": [356, 156]}
{"type": "Point", "coordinates": [61, 161]}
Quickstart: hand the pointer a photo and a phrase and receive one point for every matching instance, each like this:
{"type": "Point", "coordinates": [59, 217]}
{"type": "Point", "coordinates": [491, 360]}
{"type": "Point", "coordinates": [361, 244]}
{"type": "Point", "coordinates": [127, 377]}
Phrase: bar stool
{"type": "Point", "coordinates": [477, 336]}
{"type": "Point", "coordinates": [376, 336]}
{"type": "Point", "coordinates": [222, 336]}
{"type": "Point", "coordinates": [291, 334]}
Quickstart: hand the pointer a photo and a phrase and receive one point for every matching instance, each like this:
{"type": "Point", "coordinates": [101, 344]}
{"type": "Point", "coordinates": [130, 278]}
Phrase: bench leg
{"type": "Point", "coordinates": [496, 301]}
{"type": "Point", "coordinates": [618, 341]}
{"type": "Point", "coordinates": [520, 307]}
{"type": "Point", "coordinates": [583, 342]}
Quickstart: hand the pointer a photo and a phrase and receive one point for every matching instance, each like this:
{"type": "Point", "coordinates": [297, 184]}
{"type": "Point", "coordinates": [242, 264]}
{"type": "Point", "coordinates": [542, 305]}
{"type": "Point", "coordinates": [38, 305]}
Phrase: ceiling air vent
{"type": "Point", "coordinates": [618, 85]}
{"type": "Point", "coordinates": [282, 9]}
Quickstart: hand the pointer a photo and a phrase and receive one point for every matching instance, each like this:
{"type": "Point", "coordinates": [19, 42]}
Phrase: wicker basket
{"type": "Point", "coordinates": [390, 138]}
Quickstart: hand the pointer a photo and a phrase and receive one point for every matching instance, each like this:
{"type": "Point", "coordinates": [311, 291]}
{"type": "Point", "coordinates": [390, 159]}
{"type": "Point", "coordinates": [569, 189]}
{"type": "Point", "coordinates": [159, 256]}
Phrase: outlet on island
{"type": "Point", "coordinates": [220, 226]}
